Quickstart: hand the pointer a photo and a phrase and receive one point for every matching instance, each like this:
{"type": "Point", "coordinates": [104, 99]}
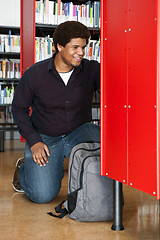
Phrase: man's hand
{"type": "Point", "coordinates": [39, 151]}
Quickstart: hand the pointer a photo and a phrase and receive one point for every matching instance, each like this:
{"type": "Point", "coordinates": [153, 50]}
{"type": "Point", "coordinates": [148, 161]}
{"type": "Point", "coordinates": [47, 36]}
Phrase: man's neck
{"type": "Point", "coordinates": [60, 66]}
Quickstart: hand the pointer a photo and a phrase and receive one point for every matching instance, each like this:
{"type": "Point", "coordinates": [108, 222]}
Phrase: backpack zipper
{"type": "Point", "coordinates": [82, 169]}
{"type": "Point", "coordinates": [88, 150]}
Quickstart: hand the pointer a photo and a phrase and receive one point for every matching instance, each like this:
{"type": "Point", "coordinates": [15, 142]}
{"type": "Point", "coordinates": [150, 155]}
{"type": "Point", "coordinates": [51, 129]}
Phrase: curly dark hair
{"type": "Point", "coordinates": [68, 30]}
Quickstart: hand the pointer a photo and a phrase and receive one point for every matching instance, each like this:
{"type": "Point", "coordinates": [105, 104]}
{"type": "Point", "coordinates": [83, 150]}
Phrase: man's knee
{"type": "Point", "coordinates": [43, 196]}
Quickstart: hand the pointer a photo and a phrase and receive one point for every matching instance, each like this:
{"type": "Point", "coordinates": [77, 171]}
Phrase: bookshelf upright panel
{"type": "Point", "coordinates": [27, 34]}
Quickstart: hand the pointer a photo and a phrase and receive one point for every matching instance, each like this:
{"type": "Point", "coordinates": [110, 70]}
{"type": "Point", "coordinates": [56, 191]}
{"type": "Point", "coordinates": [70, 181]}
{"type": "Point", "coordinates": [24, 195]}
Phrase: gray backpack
{"type": "Point", "coordinates": [90, 196]}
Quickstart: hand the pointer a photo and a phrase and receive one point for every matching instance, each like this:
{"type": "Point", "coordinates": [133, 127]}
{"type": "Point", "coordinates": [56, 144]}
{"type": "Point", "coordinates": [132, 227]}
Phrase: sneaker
{"type": "Point", "coordinates": [15, 183]}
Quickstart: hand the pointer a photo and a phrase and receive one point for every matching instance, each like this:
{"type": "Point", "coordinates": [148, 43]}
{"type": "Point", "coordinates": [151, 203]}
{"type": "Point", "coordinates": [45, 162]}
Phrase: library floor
{"type": "Point", "coordinates": [21, 219]}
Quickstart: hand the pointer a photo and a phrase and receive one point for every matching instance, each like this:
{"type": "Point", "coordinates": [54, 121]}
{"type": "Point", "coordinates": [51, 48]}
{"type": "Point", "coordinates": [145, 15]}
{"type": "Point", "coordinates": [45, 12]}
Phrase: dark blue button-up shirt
{"type": "Point", "coordinates": [57, 109]}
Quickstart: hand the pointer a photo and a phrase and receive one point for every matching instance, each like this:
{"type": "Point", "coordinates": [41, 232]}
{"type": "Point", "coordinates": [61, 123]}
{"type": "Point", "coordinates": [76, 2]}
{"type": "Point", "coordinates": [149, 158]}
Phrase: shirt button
{"type": "Point", "coordinates": [67, 101]}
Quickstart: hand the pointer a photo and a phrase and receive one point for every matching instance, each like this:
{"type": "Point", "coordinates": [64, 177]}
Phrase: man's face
{"type": "Point", "coordinates": [73, 52]}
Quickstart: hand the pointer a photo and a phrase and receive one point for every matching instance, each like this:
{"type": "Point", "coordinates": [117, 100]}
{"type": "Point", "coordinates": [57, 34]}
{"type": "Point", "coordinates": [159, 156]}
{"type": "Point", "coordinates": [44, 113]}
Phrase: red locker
{"type": "Point", "coordinates": [130, 104]}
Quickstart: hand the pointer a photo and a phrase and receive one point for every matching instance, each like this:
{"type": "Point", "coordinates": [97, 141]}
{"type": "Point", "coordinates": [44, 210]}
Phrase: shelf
{"type": "Point", "coordinates": [14, 30]}
{"type": "Point", "coordinates": [95, 120]}
{"type": "Point", "coordinates": [9, 128]}
{"type": "Point", "coordinates": [10, 80]}
{"type": "Point", "coordinates": [95, 105]}
{"type": "Point", "coordinates": [5, 105]}
{"type": "Point", "coordinates": [48, 29]}
{"type": "Point", "coordinates": [7, 123]}
{"type": "Point", "coordinates": [52, 26]}
{"type": "Point", "coordinates": [10, 55]}
{"type": "Point", "coordinates": [49, 26]}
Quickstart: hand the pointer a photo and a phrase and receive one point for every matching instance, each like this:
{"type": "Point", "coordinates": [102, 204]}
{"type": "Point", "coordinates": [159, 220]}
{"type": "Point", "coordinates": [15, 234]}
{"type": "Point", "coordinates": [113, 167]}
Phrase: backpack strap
{"type": "Point", "coordinates": [71, 201]}
{"type": "Point", "coordinates": [63, 211]}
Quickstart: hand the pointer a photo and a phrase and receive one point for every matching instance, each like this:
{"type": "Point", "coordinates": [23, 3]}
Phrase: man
{"type": "Point", "coordinates": [60, 91]}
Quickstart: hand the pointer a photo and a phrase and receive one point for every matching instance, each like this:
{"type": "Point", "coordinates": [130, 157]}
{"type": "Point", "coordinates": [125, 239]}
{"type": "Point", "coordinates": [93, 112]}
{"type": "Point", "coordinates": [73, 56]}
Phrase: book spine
{"type": "Point", "coordinates": [56, 12]}
{"type": "Point", "coordinates": [43, 48]}
{"type": "Point", "coordinates": [6, 95]}
{"type": "Point", "coordinates": [96, 14]}
{"type": "Point", "coordinates": [0, 69]}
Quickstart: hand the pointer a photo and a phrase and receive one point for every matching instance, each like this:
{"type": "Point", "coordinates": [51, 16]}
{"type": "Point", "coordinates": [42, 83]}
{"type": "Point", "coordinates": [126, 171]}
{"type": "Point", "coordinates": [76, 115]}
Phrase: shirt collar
{"type": "Point", "coordinates": [51, 66]}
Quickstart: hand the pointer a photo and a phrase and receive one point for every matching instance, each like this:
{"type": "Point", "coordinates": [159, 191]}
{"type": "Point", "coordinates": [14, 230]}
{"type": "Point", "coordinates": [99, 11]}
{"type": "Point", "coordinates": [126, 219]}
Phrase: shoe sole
{"type": "Point", "coordinates": [18, 161]}
{"type": "Point", "coordinates": [19, 191]}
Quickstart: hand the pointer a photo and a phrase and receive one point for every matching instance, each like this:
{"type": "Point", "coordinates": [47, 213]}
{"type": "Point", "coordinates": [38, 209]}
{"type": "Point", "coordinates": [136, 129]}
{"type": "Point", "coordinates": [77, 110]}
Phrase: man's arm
{"type": "Point", "coordinates": [23, 98]}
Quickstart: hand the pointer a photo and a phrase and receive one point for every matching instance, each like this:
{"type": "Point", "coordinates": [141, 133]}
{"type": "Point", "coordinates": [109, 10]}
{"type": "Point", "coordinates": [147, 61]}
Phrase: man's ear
{"type": "Point", "coordinates": [59, 47]}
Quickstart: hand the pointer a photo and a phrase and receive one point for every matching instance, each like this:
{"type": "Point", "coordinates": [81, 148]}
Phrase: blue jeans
{"type": "Point", "coordinates": [42, 184]}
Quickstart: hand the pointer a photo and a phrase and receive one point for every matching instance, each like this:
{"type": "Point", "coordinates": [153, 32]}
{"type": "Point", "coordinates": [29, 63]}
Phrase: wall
{"type": "Point", "coordinates": [10, 13]}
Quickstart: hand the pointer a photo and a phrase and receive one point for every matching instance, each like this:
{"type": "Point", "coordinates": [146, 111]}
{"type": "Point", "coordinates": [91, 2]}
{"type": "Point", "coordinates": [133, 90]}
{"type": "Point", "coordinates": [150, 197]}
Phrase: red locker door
{"type": "Point", "coordinates": [130, 93]}
{"type": "Point", "coordinates": [142, 94]}
{"type": "Point", "coordinates": [114, 89]}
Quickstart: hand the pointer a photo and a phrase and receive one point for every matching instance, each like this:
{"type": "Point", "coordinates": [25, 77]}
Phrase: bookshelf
{"type": "Point", "coordinates": [9, 76]}
{"type": "Point", "coordinates": [49, 14]}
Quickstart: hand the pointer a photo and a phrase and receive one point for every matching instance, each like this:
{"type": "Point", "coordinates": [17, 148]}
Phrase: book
{"type": "Point", "coordinates": [43, 48]}
{"type": "Point", "coordinates": [96, 19]}
{"type": "Point", "coordinates": [56, 12]}
{"type": "Point", "coordinates": [0, 68]}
